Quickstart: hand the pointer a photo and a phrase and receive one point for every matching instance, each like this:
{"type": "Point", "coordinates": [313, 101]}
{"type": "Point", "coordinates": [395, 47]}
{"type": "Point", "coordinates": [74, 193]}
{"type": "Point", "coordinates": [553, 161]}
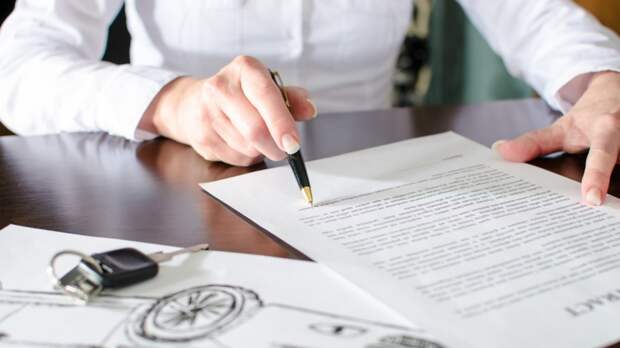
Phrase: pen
{"type": "Point", "coordinates": [295, 160]}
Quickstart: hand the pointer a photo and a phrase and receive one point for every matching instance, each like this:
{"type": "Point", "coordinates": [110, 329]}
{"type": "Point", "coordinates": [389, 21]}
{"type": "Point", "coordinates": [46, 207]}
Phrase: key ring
{"type": "Point", "coordinates": [73, 291]}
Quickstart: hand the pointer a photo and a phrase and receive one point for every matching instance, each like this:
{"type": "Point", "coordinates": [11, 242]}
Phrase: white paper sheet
{"type": "Point", "coordinates": [479, 251]}
{"type": "Point", "coordinates": [209, 299]}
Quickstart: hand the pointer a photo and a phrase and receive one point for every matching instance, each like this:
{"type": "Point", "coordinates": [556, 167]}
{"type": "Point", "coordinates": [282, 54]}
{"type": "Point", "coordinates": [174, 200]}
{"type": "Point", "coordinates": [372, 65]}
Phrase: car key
{"type": "Point", "coordinates": [112, 269]}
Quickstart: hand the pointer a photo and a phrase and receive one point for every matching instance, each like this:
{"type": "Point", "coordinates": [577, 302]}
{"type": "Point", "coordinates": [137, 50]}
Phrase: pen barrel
{"type": "Point", "coordinates": [298, 166]}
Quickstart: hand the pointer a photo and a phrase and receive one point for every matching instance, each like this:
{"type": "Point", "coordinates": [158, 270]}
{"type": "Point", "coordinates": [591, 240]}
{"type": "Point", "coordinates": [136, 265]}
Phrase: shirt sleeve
{"type": "Point", "coordinates": [554, 45]}
{"type": "Point", "coordinates": [53, 79]}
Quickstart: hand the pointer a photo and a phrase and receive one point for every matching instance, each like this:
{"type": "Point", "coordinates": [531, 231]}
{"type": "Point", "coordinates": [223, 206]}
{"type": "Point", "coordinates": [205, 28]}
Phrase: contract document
{"type": "Point", "coordinates": [479, 251]}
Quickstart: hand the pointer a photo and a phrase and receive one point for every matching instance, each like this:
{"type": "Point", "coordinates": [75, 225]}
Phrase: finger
{"type": "Point", "coordinates": [532, 144]}
{"type": "Point", "coordinates": [227, 131]}
{"type": "Point", "coordinates": [215, 149]}
{"type": "Point", "coordinates": [206, 154]}
{"type": "Point", "coordinates": [244, 117]}
{"type": "Point", "coordinates": [302, 107]}
{"type": "Point", "coordinates": [600, 163]}
{"type": "Point", "coordinates": [265, 96]}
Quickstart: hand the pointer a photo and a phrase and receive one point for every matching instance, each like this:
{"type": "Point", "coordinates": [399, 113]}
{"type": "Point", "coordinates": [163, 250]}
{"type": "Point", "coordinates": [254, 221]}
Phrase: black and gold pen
{"type": "Point", "coordinates": [295, 160]}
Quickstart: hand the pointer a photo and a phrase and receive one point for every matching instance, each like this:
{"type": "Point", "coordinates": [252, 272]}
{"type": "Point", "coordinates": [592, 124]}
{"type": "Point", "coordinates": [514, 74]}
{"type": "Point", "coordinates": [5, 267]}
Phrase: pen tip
{"type": "Point", "coordinates": [307, 192]}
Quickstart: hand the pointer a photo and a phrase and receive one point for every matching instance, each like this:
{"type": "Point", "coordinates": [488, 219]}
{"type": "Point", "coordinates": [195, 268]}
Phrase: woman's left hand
{"type": "Point", "coordinates": [593, 123]}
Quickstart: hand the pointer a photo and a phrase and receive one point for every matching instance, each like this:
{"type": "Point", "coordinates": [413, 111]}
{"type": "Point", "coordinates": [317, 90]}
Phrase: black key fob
{"type": "Point", "coordinates": [122, 267]}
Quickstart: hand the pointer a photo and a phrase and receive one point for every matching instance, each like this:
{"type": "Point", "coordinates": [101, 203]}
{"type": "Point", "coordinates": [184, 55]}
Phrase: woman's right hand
{"type": "Point", "coordinates": [236, 116]}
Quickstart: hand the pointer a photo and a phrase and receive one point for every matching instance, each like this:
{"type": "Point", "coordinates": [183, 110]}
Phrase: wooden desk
{"type": "Point", "coordinates": [99, 185]}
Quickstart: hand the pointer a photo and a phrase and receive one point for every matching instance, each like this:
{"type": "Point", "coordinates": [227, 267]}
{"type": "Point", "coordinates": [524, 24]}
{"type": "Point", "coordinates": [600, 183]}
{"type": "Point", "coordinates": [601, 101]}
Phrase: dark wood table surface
{"type": "Point", "coordinates": [100, 185]}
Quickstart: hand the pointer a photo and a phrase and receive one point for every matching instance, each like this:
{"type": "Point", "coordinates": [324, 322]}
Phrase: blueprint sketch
{"type": "Point", "coordinates": [223, 301]}
{"type": "Point", "coordinates": [204, 316]}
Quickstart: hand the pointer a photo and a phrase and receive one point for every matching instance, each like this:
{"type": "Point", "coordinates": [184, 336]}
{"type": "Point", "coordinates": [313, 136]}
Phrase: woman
{"type": "Point", "coordinates": [199, 71]}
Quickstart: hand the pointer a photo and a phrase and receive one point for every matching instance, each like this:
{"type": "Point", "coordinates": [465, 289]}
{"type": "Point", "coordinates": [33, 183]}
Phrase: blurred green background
{"type": "Point", "coordinates": [445, 60]}
{"type": "Point", "coordinates": [452, 63]}
{"type": "Point", "coordinates": [464, 68]}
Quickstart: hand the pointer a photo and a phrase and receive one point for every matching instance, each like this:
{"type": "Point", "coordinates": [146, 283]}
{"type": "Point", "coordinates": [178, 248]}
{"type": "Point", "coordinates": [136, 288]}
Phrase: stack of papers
{"type": "Point", "coordinates": [479, 251]}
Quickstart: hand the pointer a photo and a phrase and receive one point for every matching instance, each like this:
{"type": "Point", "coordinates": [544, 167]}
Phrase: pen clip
{"type": "Point", "coordinates": [275, 76]}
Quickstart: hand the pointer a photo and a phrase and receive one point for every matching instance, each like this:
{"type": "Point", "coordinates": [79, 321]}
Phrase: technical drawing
{"type": "Point", "coordinates": [213, 315]}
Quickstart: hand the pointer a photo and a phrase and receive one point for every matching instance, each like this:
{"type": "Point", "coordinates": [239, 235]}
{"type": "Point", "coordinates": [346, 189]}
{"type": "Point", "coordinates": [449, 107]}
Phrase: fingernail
{"type": "Point", "coordinates": [593, 197]}
{"type": "Point", "coordinates": [316, 111]}
{"type": "Point", "coordinates": [290, 144]}
{"type": "Point", "coordinates": [496, 145]}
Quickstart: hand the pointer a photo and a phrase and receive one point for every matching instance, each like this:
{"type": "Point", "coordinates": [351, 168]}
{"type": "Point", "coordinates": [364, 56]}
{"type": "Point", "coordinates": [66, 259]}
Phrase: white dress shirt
{"type": "Point", "coordinates": [342, 51]}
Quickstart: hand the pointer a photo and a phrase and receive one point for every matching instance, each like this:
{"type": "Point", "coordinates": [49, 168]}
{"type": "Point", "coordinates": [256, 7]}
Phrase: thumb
{"type": "Point", "coordinates": [302, 107]}
{"type": "Point", "coordinates": [531, 144]}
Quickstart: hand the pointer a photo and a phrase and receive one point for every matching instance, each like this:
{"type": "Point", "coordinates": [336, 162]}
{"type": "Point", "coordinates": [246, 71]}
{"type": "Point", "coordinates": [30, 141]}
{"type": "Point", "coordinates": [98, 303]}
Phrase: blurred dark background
{"type": "Point", "coordinates": [6, 6]}
{"type": "Point", "coordinates": [117, 50]}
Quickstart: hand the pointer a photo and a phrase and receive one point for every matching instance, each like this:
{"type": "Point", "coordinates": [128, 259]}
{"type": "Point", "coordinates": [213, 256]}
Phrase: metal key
{"type": "Point", "coordinates": [111, 269]}
{"type": "Point", "coordinates": [161, 256]}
